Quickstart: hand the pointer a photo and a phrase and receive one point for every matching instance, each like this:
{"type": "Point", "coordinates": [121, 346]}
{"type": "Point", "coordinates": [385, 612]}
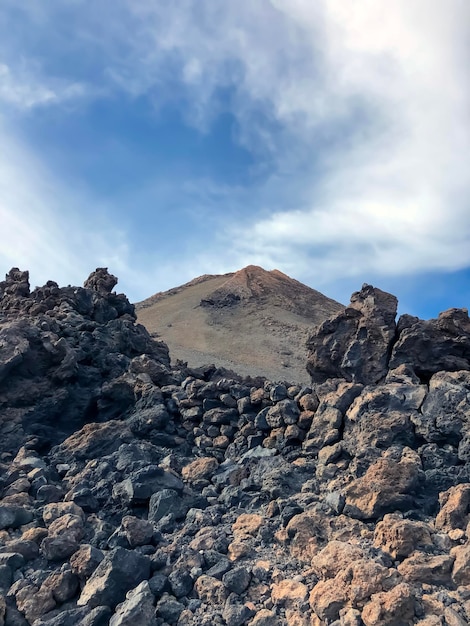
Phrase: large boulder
{"type": "Point", "coordinates": [355, 344]}
{"type": "Point", "coordinates": [120, 571]}
{"type": "Point", "coordinates": [430, 346]}
{"type": "Point", "coordinates": [101, 280]}
{"type": "Point", "coordinates": [388, 485]}
{"type": "Point", "coordinates": [383, 415]}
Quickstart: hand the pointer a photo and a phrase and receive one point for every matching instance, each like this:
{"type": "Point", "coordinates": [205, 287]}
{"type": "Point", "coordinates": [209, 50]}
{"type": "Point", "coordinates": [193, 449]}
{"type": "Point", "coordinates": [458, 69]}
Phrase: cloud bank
{"type": "Point", "coordinates": [357, 115]}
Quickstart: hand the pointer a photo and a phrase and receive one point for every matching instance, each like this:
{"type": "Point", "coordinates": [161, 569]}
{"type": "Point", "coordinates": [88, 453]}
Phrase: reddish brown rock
{"type": "Point", "coordinates": [202, 468]}
{"type": "Point", "coordinates": [461, 569]}
{"type": "Point", "coordinates": [85, 560]}
{"type": "Point", "coordinates": [351, 587]}
{"type": "Point", "coordinates": [56, 510]}
{"type": "Point", "coordinates": [247, 524]}
{"type": "Point", "coordinates": [138, 532]}
{"type": "Point", "coordinates": [265, 617]}
{"type": "Point", "coordinates": [289, 593]}
{"type": "Point", "coordinates": [34, 602]}
{"type": "Point", "coordinates": [386, 486]}
{"type": "Point", "coordinates": [327, 599]}
{"type": "Point", "coordinates": [334, 558]}
{"type": "Point", "coordinates": [210, 590]}
{"type": "Point", "coordinates": [400, 537]}
{"type": "Point", "coordinates": [423, 568]}
{"type": "Point", "coordinates": [455, 508]}
{"type": "Point", "coordinates": [390, 608]}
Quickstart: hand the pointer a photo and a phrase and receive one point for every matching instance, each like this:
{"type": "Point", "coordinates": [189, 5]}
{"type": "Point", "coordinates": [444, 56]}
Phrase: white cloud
{"type": "Point", "coordinates": [44, 226]}
{"type": "Point", "coordinates": [391, 76]}
{"type": "Point", "coordinates": [23, 89]}
{"type": "Point", "coordinates": [359, 110]}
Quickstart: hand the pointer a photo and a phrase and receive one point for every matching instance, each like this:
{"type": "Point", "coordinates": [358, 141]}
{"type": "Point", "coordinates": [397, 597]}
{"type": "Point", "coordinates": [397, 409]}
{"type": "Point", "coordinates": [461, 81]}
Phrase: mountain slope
{"type": "Point", "coordinates": [253, 321]}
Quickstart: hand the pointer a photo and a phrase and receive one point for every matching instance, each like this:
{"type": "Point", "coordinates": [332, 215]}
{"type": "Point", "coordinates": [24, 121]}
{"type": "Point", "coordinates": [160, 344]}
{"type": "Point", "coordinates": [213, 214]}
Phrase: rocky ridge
{"type": "Point", "coordinates": [137, 492]}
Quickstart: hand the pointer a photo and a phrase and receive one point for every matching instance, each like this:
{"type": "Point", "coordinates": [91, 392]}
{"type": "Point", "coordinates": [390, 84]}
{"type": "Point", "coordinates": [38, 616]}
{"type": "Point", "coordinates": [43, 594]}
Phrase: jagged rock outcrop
{"type": "Point", "coordinates": [355, 344]}
{"type": "Point", "coordinates": [431, 346]}
{"type": "Point", "coordinates": [69, 355]}
{"type": "Point", "coordinates": [151, 495]}
{"type": "Point", "coordinates": [363, 342]}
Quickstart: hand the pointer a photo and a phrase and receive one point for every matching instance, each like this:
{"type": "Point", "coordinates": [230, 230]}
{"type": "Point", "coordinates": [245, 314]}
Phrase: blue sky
{"type": "Point", "coordinates": [166, 140]}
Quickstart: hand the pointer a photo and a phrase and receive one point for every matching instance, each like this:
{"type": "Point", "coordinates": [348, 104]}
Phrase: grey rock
{"type": "Point", "coordinates": [120, 571]}
{"type": "Point", "coordinates": [261, 422]}
{"type": "Point", "coordinates": [278, 392]}
{"type": "Point", "coordinates": [236, 614]}
{"type": "Point", "coordinates": [283, 413]}
{"type": "Point", "coordinates": [137, 609]}
{"type": "Point", "coordinates": [221, 567]}
{"type": "Point", "coordinates": [220, 416]}
{"type": "Point", "coordinates": [6, 576]}
{"type": "Point", "coordinates": [169, 609]}
{"type": "Point", "coordinates": [13, 516]}
{"type": "Point", "coordinates": [13, 560]}
{"type": "Point", "coordinates": [445, 413]}
{"type": "Point", "coordinates": [49, 493]}
{"type": "Point", "coordinates": [181, 583]}
{"type": "Point", "coordinates": [59, 548]}
{"type": "Point", "coordinates": [101, 280]}
{"type": "Point", "coordinates": [63, 585]}
{"type": "Point", "coordinates": [166, 502]}
{"type": "Point", "coordinates": [158, 584]}
{"type": "Point", "coordinates": [382, 416]}
{"type": "Point", "coordinates": [76, 617]}
{"type": "Point", "coordinates": [237, 579]}
{"type": "Point", "coordinates": [336, 501]}
{"type": "Point", "coordinates": [142, 484]}
{"type": "Point", "coordinates": [441, 344]}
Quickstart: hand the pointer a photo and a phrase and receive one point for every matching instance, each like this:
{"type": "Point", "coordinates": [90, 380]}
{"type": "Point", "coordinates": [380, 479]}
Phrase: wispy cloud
{"type": "Point", "coordinates": [45, 227]}
{"type": "Point", "coordinates": [357, 114]}
{"type": "Point", "coordinates": [21, 88]}
{"type": "Point", "coordinates": [376, 91]}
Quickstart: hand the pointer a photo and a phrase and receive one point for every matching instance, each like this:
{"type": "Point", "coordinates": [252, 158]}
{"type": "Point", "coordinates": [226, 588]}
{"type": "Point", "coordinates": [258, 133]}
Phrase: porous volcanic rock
{"type": "Point", "coordinates": [435, 345]}
{"type": "Point", "coordinates": [65, 354]}
{"type": "Point", "coordinates": [355, 344]}
{"type": "Point", "coordinates": [137, 493]}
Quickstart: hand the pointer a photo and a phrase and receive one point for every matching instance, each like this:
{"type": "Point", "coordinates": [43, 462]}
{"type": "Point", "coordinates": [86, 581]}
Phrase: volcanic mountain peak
{"type": "Point", "coordinates": [253, 320]}
{"type": "Point", "coordinates": [254, 281]}
{"type": "Point", "coordinates": [253, 284]}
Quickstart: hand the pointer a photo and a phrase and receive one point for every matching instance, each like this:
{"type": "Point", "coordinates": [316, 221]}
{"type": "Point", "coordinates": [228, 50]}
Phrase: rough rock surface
{"type": "Point", "coordinates": [136, 493]}
{"type": "Point", "coordinates": [355, 344]}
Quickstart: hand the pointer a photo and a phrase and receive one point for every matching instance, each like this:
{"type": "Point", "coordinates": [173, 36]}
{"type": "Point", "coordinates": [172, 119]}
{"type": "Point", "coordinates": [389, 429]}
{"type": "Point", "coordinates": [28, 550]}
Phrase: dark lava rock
{"type": "Point", "coordinates": [120, 571]}
{"type": "Point", "coordinates": [166, 502]}
{"type": "Point", "coordinates": [356, 343]}
{"type": "Point", "coordinates": [441, 344]}
{"type": "Point", "coordinates": [136, 493]}
{"type": "Point", "coordinates": [181, 583]}
{"type": "Point", "coordinates": [237, 579]}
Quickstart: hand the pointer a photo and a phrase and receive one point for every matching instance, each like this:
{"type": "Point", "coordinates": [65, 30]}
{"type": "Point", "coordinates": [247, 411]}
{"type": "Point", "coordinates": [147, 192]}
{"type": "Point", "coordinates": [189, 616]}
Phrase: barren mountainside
{"type": "Point", "coordinates": [253, 321]}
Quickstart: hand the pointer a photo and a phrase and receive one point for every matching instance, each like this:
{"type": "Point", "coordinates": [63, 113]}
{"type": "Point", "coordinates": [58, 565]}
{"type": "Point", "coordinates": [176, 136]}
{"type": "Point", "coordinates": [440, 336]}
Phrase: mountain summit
{"type": "Point", "coordinates": [254, 321]}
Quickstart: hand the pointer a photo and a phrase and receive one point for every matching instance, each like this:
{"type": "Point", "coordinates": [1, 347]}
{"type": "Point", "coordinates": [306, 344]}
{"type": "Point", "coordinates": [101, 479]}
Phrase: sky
{"type": "Point", "coordinates": [169, 139]}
